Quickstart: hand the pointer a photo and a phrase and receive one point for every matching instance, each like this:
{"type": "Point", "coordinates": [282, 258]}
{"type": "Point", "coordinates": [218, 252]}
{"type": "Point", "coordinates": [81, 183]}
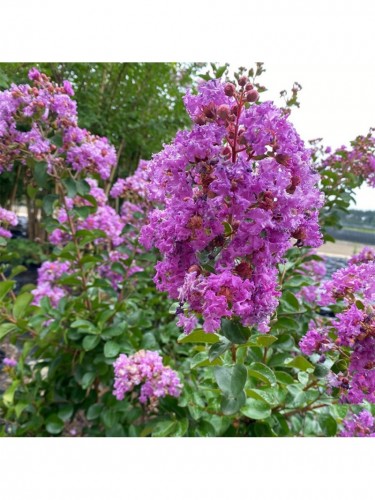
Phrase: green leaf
{"type": "Point", "coordinates": [83, 187]}
{"type": "Point", "coordinates": [198, 336]}
{"type": "Point", "coordinates": [290, 301]}
{"type": "Point", "coordinates": [263, 373]}
{"type": "Point", "coordinates": [220, 71]}
{"type": "Point", "coordinates": [66, 412]}
{"type": "Point", "coordinates": [256, 409]}
{"type": "Point", "coordinates": [268, 396]}
{"type": "Point", "coordinates": [231, 403]}
{"type": "Point", "coordinates": [8, 396]}
{"type": "Point", "coordinates": [300, 363]}
{"type": "Point", "coordinates": [5, 287]}
{"type": "Point", "coordinates": [70, 186]}
{"type": "Point", "coordinates": [182, 428]}
{"type": "Point", "coordinates": [234, 331]}
{"type": "Point", "coordinates": [165, 428]}
{"type": "Point", "coordinates": [48, 203]}
{"type": "Point", "coordinates": [231, 379]}
{"type": "Point", "coordinates": [54, 424]}
{"type": "Point", "coordinates": [111, 349]}
{"type": "Point", "coordinates": [90, 342]}
{"type": "Point", "coordinates": [218, 349]}
{"type": "Point", "coordinates": [284, 378]}
{"type": "Point", "coordinates": [21, 304]}
{"type": "Point", "coordinates": [260, 340]}
{"type": "Point", "coordinates": [17, 270]}
{"type": "Point", "coordinates": [6, 328]}
{"type": "Point", "coordinates": [40, 173]}
{"type": "Point", "coordinates": [57, 140]}
{"type": "Point", "coordinates": [87, 380]}
{"type": "Point", "coordinates": [94, 411]}
{"type": "Point", "coordinates": [85, 326]}
{"type": "Point", "coordinates": [328, 424]}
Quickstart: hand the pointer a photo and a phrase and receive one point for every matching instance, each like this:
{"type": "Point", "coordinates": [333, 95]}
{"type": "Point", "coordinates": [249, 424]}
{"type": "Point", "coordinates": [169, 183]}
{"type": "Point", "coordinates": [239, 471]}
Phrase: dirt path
{"type": "Point", "coordinates": [342, 249]}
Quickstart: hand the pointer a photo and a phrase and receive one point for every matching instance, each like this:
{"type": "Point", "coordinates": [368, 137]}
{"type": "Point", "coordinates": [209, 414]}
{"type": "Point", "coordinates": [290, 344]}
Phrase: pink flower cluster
{"type": "Point", "coordinates": [354, 329]}
{"type": "Point", "coordinates": [361, 425]}
{"type": "Point", "coordinates": [315, 270]}
{"type": "Point", "coordinates": [48, 274]}
{"type": "Point", "coordinates": [358, 160]}
{"type": "Point", "coordinates": [33, 117]}
{"type": "Point", "coordinates": [239, 190]}
{"type": "Point", "coordinates": [367, 254]}
{"type": "Point", "coordinates": [145, 368]}
{"type": "Point", "coordinates": [9, 362]}
{"type": "Point", "coordinates": [7, 218]}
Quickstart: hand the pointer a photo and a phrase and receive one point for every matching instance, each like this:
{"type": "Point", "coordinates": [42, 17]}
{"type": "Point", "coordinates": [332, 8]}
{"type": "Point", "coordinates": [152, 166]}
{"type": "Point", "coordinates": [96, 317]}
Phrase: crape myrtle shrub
{"type": "Point", "coordinates": [234, 206]}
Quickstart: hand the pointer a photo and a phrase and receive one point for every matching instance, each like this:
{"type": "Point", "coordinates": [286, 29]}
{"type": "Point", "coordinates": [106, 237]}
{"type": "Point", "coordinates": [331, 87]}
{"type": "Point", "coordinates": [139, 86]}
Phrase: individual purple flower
{"type": "Point", "coordinates": [361, 425]}
{"type": "Point", "coordinates": [145, 369]}
{"type": "Point", "coordinates": [11, 363]}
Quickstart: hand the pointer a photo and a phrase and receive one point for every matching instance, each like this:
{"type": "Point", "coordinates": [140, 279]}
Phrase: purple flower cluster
{"type": "Point", "coordinates": [145, 368]}
{"type": "Point", "coordinates": [104, 218]}
{"type": "Point", "coordinates": [315, 270]}
{"type": "Point", "coordinates": [239, 190]}
{"type": "Point", "coordinates": [361, 425]}
{"type": "Point", "coordinates": [367, 254]}
{"type": "Point", "coordinates": [358, 160]}
{"type": "Point", "coordinates": [33, 117]}
{"type": "Point", "coordinates": [48, 275]}
{"type": "Point", "coordinates": [135, 186]}
{"type": "Point", "coordinates": [9, 362]}
{"type": "Point", "coordinates": [7, 218]}
{"type": "Point", "coordinates": [354, 330]}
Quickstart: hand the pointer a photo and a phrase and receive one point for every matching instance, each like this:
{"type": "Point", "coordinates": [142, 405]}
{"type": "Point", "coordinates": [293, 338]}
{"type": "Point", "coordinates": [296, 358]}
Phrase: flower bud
{"type": "Point", "coordinates": [195, 269]}
{"type": "Point", "coordinates": [244, 270]}
{"type": "Point", "coordinates": [226, 151]}
{"type": "Point", "coordinates": [242, 140]}
{"type": "Point", "coordinates": [242, 81]}
{"type": "Point", "coordinates": [209, 110]}
{"type": "Point", "coordinates": [249, 86]}
{"type": "Point", "coordinates": [283, 159]}
{"type": "Point", "coordinates": [229, 89]}
{"type": "Point", "coordinates": [252, 96]}
{"type": "Point", "coordinates": [200, 120]}
{"type": "Point", "coordinates": [223, 111]}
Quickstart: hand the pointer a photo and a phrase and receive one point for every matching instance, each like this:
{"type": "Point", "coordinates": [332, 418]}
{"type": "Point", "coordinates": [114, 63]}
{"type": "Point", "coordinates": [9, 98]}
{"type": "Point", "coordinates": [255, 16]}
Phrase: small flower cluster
{"type": "Point", "coordinates": [104, 218]}
{"type": "Point", "coordinates": [9, 362]}
{"type": "Point", "coordinates": [39, 121]}
{"type": "Point", "coordinates": [145, 368]}
{"type": "Point", "coordinates": [316, 270]}
{"type": "Point", "coordinates": [7, 218]}
{"type": "Point", "coordinates": [361, 425]}
{"type": "Point", "coordinates": [239, 190]}
{"type": "Point", "coordinates": [367, 254]}
{"type": "Point", "coordinates": [353, 330]}
{"type": "Point", "coordinates": [48, 274]}
{"type": "Point", "coordinates": [134, 187]}
{"type": "Point", "coordinates": [358, 160]}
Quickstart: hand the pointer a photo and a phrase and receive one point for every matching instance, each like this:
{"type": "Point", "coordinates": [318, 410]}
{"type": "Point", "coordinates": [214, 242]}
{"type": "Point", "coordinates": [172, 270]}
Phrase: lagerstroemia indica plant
{"type": "Point", "coordinates": [232, 207]}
